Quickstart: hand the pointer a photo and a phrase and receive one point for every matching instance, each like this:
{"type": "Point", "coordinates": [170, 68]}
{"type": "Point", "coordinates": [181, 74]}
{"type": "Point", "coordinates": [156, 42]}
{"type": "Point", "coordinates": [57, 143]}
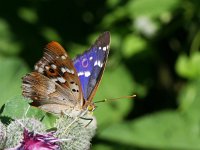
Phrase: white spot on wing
{"type": "Point", "coordinates": [104, 48]}
{"type": "Point", "coordinates": [72, 71]}
{"type": "Point", "coordinates": [40, 70]}
{"type": "Point", "coordinates": [91, 58]}
{"type": "Point", "coordinates": [53, 66]}
{"type": "Point", "coordinates": [107, 46]}
{"type": "Point", "coordinates": [87, 73]}
{"type": "Point", "coordinates": [61, 79]}
{"type": "Point", "coordinates": [95, 63]}
{"type": "Point", "coordinates": [27, 85]}
{"type": "Point", "coordinates": [36, 67]}
{"type": "Point", "coordinates": [98, 63]}
{"type": "Point", "coordinates": [69, 71]}
{"type": "Point", "coordinates": [99, 47]}
{"type": "Point", "coordinates": [80, 73]}
{"type": "Point", "coordinates": [63, 69]}
{"type": "Point", "coordinates": [47, 67]}
{"type": "Point", "coordinates": [63, 57]}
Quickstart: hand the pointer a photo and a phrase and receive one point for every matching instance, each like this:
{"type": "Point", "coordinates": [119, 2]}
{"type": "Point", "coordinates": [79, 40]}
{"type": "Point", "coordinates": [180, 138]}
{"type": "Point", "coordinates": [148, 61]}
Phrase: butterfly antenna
{"type": "Point", "coordinates": [112, 99]}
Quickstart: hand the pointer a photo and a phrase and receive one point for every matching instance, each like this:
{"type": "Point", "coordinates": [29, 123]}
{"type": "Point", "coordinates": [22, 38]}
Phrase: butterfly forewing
{"type": "Point", "coordinates": [55, 79]}
{"type": "Point", "coordinates": [59, 84]}
{"type": "Point", "coordinates": [91, 64]}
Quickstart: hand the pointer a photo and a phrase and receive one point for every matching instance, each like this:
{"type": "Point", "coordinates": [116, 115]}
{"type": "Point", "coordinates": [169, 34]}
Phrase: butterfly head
{"type": "Point", "coordinates": [91, 107]}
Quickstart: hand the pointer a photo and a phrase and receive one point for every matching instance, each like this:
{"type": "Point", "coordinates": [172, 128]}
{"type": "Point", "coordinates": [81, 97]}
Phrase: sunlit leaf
{"type": "Point", "coordinates": [151, 8]}
{"type": "Point", "coordinates": [133, 44]}
{"type": "Point", "coordinates": [166, 130]}
{"type": "Point", "coordinates": [188, 66]}
{"type": "Point", "coordinates": [112, 3]}
{"type": "Point", "coordinates": [115, 83]}
{"type": "Point", "coordinates": [189, 100]}
{"type": "Point", "coordinates": [19, 107]}
{"type": "Point", "coordinates": [12, 70]}
{"type": "Point", "coordinates": [118, 14]}
{"type": "Point", "coordinates": [146, 26]}
{"type": "Point", "coordinates": [28, 15]}
{"type": "Point", "coordinates": [8, 43]}
{"type": "Point", "coordinates": [50, 34]}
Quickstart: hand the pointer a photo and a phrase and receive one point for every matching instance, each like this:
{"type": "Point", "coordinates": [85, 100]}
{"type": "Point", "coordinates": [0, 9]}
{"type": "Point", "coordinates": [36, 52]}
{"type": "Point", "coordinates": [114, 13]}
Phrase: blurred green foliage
{"type": "Point", "coordinates": [154, 54]}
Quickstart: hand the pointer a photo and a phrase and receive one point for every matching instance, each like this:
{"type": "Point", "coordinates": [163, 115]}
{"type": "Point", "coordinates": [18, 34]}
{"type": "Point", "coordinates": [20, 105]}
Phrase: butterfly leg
{"type": "Point", "coordinates": [66, 129]}
{"type": "Point", "coordinates": [76, 118]}
{"type": "Point", "coordinates": [90, 120]}
{"type": "Point", "coordinates": [72, 122]}
{"type": "Point", "coordinates": [26, 111]}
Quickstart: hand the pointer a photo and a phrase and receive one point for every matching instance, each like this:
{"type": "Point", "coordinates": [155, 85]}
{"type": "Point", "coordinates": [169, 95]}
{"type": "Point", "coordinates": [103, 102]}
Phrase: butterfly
{"type": "Point", "coordinates": [59, 84]}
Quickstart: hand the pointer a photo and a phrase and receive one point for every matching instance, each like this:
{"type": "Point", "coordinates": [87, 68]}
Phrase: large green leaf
{"type": "Point", "coordinates": [28, 14]}
{"type": "Point", "coordinates": [129, 49]}
{"type": "Point", "coordinates": [151, 8]}
{"type": "Point", "coordinates": [8, 44]}
{"type": "Point", "coordinates": [116, 82]}
{"type": "Point", "coordinates": [189, 102]}
{"type": "Point", "coordinates": [164, 130]}
{"type": "Point", "coordinates": [12, 70]}
{"type": "Point", "coordinates": [188, 66]}
{"type": "Point", "coordinates": [18, 108]}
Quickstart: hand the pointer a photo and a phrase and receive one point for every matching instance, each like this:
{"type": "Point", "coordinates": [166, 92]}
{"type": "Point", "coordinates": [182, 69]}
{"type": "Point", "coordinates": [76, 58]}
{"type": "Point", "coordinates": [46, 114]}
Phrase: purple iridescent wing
{"type": "Point", "coordinates": [91, 64]}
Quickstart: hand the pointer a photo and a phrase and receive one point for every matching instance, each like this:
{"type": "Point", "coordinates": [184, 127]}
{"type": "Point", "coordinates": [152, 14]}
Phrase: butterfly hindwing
{"type": "Point", "coordinates": [91, 64]}
{"type": "Point", "coordinates": [55, 79]}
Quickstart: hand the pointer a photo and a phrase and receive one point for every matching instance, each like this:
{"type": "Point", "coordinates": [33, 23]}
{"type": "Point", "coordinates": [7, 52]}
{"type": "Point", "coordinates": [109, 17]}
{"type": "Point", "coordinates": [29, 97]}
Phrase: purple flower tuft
{"type": "Point", "coordinates": [33, 141]}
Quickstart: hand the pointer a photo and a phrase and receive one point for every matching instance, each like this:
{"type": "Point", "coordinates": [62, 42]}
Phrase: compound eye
{"type": "Point", "coordinates": [90, 108]}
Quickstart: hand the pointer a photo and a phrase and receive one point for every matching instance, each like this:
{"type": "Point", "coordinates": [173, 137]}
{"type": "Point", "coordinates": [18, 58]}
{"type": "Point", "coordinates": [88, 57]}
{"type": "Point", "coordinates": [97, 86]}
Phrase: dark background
{"type": "Point", "coordinates": [154, 54]}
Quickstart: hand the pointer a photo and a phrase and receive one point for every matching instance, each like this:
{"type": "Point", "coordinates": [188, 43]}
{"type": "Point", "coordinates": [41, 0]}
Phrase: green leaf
{"type": "Point", "coordinates": [151, 8]}
{"type": "Point", "coordinates": [164, 130]}
{"type": "Point", "coordinates": [132, 44]}
{"type": "Point", "coordinates": [101, 146]}
{"type": "Point", "coordinates": [49, 120]}
{"type": "Point", "coordinates": [116, 15]}
{"type": "Point", "coordinates": [8, 44]}
{"type": "Point", "coordinates": [189, 99]}
{"type": "Point", "coordinates": [50, 34]}
{"type": "Point", "coordinates": [112, 3]}
{"type": "Point", "coordinates": [28, 15]}
{"type": "Point", "coordinates": [19, 107]}
{"type": "Point", "coordinates": [15, 108]}
{"type": "Point", "coordinates": [12, 70]}
{"type": "Point", "coordinates": [146, 26]}
{"type": "Point", "coordinates": [182, 66]}
{"type": "Point", "coordinates": [188, 67]}
{"type": "Point", "coordinates": [189, 95]}
{"type": "Point", "coordinates": [116, 82]}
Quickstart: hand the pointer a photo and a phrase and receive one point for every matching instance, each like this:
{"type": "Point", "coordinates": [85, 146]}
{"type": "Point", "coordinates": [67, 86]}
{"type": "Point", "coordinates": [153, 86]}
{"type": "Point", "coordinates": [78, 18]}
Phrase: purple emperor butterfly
{"type": "Point", "coordinates": [62, 85]}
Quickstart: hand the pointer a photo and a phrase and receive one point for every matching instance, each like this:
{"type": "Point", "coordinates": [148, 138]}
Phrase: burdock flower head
{"type": "Point", "coordinates": [37, 141]}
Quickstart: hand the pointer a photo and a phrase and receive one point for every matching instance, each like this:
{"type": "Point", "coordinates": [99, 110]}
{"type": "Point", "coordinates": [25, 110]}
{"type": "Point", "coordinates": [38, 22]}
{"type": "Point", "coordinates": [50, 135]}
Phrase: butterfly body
{"type": "Point", "coordinates": [62, 85]}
